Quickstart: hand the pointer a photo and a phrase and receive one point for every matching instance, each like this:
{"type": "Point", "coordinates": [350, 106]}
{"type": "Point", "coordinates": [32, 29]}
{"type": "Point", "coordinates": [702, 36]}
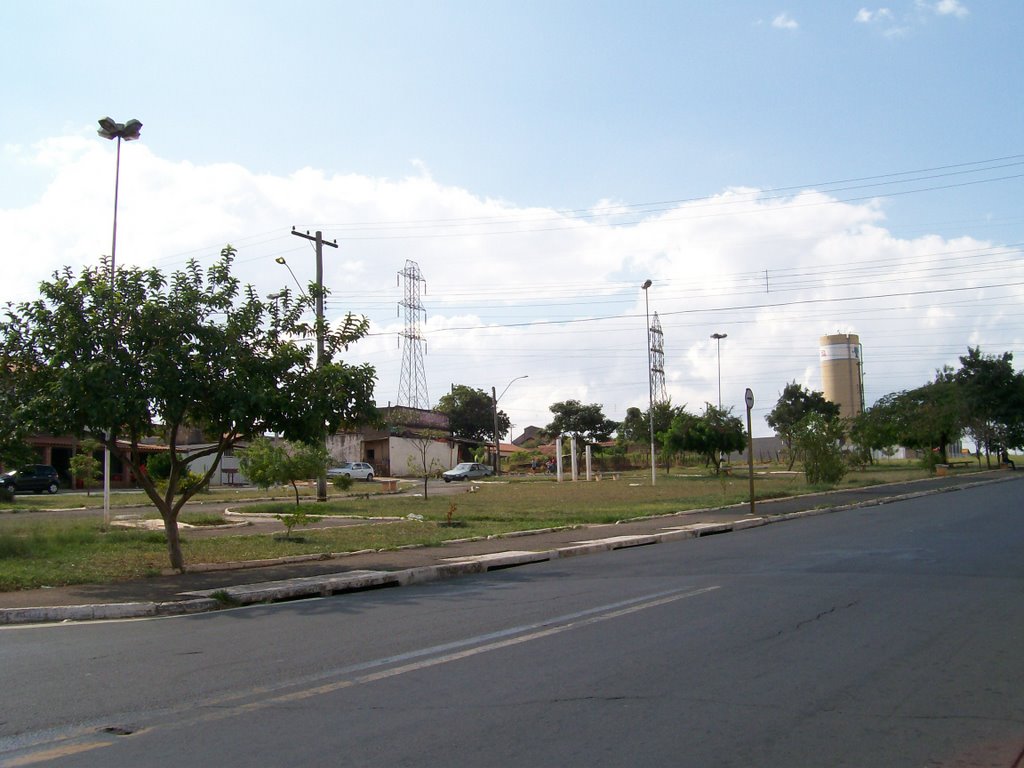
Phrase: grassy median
{"type": "Point", "coordinates": [37, 550]}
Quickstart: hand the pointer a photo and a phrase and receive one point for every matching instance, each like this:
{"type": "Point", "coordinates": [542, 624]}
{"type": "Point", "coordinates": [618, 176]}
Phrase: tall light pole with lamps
{"type": "Point", "coordinates": [650, 381]}
{"type": "Point", "coordinates": [495, 398]}
{"type": "Point", "coordinates": [718, 338]}
{"type": "Point", "coordinates": [127, 132]}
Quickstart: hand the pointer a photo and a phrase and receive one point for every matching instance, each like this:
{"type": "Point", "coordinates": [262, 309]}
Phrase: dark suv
{"type": "Point", "coordinates": [32, 477]}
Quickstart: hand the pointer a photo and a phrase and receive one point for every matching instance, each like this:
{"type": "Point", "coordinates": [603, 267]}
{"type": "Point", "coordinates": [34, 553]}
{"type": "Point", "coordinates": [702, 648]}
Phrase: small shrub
{"type": "Point", "coordinates": [341, 482]}
{"type": "Point", "coordinates": [819, 439]}
{"type": "Point", "coordinates": [930, 460]}
{"type": "Point", "coordinates": [295, 519]}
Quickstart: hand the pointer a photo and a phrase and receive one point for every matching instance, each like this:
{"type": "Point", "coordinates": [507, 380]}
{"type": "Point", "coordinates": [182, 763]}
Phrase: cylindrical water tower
{"type": "Point", "coordinates": [842, 372]}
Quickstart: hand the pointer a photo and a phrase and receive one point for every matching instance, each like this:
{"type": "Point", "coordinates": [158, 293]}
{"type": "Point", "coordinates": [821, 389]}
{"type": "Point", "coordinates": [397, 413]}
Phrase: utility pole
{"type": "Point", "coordinates": [318, 239]}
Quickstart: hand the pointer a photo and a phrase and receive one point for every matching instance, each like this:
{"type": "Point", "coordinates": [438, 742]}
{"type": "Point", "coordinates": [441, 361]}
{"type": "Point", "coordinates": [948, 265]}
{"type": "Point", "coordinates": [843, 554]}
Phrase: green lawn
{"type": "Point", "coordinates": [37, 551]}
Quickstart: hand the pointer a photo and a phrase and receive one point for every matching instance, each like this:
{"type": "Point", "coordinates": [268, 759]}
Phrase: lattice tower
{"type": "Point", "coordinates": [412, 386]}
{"type": "Point", "coordinates": [658, 393]}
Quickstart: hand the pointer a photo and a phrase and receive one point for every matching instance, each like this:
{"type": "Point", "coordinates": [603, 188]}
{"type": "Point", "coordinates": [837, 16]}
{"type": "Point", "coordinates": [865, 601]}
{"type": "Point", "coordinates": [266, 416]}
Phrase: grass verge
{"type": "Point", "coordinates": [37, 551]}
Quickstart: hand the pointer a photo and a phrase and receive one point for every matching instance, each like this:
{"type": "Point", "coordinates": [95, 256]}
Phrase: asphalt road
{"type": "Point", "coordinates": [887, 636]}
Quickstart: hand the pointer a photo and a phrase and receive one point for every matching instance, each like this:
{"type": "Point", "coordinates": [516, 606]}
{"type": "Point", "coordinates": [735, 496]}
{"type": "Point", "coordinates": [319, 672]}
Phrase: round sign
{"type": "Point", "coordinates": [749, 397]}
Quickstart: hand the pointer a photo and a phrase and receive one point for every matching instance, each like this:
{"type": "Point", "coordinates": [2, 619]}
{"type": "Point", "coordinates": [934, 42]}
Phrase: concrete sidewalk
{"type": "Point", "coordinates": [212, 588]}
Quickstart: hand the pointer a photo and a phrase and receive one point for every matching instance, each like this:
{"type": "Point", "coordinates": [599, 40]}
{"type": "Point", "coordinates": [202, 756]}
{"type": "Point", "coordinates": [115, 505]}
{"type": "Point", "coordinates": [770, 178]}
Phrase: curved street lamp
{"type": "Point", "coordinates": [281, 260]}
{"type": "Point", "coordinates": [495, 398]}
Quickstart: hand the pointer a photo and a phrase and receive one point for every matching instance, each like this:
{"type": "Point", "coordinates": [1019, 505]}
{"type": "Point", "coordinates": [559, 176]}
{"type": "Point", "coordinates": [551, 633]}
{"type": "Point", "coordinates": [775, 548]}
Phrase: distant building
{"type": "Point", "coordinates": [530, 438]}
{"type": "Point", "coordinates": [766, 450]}
{"type": "Point", "coordinates": [396, 448]}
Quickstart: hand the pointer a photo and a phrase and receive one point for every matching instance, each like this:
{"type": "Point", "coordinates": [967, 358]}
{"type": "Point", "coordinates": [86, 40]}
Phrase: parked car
{"type": "Point", "coordinates": [358, 470]}
{"type": "Point", "coordinates": [467, 470]}
{"type": "Point", "coordinates": [32, 477]}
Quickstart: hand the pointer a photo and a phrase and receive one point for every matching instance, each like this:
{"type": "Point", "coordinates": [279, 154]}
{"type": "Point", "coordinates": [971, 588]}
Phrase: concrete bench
{"type": "Point", "coordinates": [388, 485]}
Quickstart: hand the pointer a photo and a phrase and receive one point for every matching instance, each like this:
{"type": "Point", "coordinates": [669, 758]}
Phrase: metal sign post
{"type": "Point", "coordinates": [749, 399]}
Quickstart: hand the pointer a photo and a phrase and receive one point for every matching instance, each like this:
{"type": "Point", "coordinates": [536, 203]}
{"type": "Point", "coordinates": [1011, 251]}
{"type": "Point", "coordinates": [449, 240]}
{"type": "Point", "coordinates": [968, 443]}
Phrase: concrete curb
{"type": "Point", "coordinates": [104, 611]}
{"type": "Point", "coordinates": [353, 581]}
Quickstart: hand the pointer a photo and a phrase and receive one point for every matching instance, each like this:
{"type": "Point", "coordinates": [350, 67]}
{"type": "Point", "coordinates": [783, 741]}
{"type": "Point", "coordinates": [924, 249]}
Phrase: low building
{"type": "Point", "coordinates": [407, 440]}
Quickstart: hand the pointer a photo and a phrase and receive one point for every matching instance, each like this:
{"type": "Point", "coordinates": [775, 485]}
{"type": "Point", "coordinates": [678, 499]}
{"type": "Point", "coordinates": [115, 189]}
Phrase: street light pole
{"type": "Point", "coordinates": [650, 381]}
{"type": "Point", "coordinates": [128, 132]}
{"type": "Point", "coordinates": [318, 239]}
{"type": "Point", "coordinates": [494, 403]}
{"type": "Point", "coordinates": [718, 338]}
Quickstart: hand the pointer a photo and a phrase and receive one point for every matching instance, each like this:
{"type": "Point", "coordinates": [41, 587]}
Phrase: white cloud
{"type": "Point", "coordinates": [865, 16]}
{"type": "Point", "coordinates": [945, 8]}
{"type": "Point", "coordinates": [886, 20]}
{"type": "Point", "coordinates": [514, 290]}
{"type": "Point", "coordinates": [785, 21]}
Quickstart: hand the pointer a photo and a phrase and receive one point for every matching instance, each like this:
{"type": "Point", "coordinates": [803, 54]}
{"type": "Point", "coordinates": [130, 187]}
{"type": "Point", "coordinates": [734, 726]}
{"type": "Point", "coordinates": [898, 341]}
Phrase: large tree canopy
{"type": "Point", "coordinates": [992, 398]}
{"type": "Point", "coordinates": [151, 355]}
{"type": "Point", "coordinates": [636, 427]}
{"type": "Point", "coordinates": [713, 434]}
{"type": "Point", "coordinates": [471, 414]}
{"type": "Point", "coordinates": [586, 422]}
{"type": "Point", "coordinates": [931, 416]}
{"type": "Point", "coordinates": [793, 405]}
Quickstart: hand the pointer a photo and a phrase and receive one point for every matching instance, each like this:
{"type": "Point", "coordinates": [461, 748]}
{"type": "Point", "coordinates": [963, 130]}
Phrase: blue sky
{"type": "Point", "coordinates": [516, 118]}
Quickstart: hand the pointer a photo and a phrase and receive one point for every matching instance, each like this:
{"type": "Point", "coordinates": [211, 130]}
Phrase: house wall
{"type": "Point", "coordinates": [346, 446]}
{"type": "Point", "coordinates": [227, 473]}
{"type": "Point", "coordinates": [406, 458]}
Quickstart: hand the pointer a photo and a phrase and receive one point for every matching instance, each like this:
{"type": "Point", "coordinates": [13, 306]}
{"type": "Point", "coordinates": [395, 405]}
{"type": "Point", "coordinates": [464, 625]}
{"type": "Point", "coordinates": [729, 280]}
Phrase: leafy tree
{"type": "Point", "coordinates": [266, 463]}
{"type": "Point", "coordinates": [84, 464]}
{"type": "Point", "coordinates": [423, 464]}
{"type": "Point", "coordinates": [875, 428]}
{"type": "Point", "coordinates": [586, 422]}
{"type": "Point", "coordinates": [931, 416]}
{"type": "Point", "coordinates": [471, 414]}
{"type": "Point", "coordinates": [158, 465]}
{"type": "Point", "coordinates": [15, 425]}
{"type": "Point", "coordinates": [793, 405]}
{"type": "Point", "coordinates": [145, 354]}
{"type": "Point", "coordinates": [635, 428]}
{"type": "Point", "coordinates": [819, 439]}
{"type": "Point", "coordinates": [712, 434]}
{"type": "Point", "coordinates": [681, 434]}
{"type": "Point", "coordinates": [993, 400]}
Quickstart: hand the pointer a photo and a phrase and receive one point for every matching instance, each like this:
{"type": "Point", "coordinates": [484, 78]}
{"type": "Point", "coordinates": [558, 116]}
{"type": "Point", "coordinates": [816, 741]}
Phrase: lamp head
{"type": "Point", "coordinates": [646, 285]}
{"type": "Point", "coordinates": [280, 260]}
{"type": "Point", "coordinates": [110, 129]}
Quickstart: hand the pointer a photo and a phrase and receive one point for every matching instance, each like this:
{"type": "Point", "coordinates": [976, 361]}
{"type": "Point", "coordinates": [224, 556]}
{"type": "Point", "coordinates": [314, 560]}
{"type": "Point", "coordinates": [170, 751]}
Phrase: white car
{"type": "Point", "coordinates": [358, 470]}
{"type": "Point", "coordinates": [466, 471]}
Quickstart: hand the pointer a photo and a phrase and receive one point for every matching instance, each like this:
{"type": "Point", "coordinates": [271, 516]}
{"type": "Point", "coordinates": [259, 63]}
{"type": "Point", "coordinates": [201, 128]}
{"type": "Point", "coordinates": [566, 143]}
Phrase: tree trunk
{"type": "Point", "coordinates": [424, 485]}
{"type": "Point", "coordinates": [174, 543]}
{"type": "Point", "coordinates": [791, 457]}
{"type": "Point", "coordinates": [296, 494]}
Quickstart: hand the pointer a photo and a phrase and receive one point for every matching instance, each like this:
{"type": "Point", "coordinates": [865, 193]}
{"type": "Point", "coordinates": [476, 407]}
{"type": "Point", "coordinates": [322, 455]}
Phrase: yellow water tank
{"type": "Point", "coordinates": [842, 372]}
